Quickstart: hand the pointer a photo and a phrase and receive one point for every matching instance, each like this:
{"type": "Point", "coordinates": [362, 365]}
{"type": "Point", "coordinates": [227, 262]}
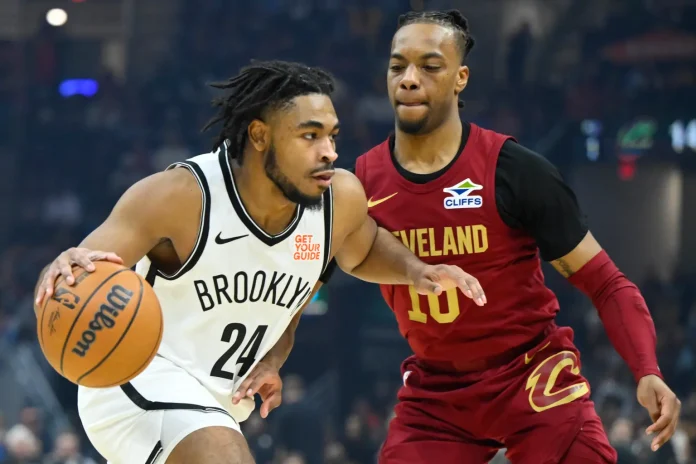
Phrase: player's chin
{"type": "Point", "coordinates": [314, 191]}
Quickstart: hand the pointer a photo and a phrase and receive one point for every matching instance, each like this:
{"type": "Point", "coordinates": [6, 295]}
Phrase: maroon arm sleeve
{"type": "Point", "coordinates": [623, 311]}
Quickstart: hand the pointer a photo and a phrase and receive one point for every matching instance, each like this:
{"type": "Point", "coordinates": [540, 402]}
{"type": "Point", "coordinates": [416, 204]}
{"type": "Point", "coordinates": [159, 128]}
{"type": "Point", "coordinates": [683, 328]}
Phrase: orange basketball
{"type": "Point", "coordinates": [103, 330]}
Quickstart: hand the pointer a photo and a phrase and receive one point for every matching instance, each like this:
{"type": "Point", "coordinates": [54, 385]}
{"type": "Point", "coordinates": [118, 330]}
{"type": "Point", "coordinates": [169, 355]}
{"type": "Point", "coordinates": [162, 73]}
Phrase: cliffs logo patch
{"type": "Point", "coordinates": [461, 195]}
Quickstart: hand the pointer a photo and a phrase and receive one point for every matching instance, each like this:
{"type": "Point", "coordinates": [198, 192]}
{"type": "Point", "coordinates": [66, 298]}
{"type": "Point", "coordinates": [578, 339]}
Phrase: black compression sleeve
{"type": "Point", "coordinates": [532, 195]}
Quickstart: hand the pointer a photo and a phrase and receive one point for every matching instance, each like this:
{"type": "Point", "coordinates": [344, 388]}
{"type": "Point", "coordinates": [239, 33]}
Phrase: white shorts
{"type": "Point", "coordinates": [142, 421]}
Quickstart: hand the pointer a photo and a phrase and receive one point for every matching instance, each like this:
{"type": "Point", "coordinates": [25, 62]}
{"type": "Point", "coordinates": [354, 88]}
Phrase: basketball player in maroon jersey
{"type": "Point", "coordinates": [501, 376]}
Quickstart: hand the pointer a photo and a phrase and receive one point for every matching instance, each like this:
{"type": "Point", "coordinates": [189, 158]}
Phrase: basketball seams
{"type": "Point", "coordinates": [123, 335]}
{"type": "Point", "coordinates": [77, 318]}
{"type": "Point", "coordinates": [145, 364]}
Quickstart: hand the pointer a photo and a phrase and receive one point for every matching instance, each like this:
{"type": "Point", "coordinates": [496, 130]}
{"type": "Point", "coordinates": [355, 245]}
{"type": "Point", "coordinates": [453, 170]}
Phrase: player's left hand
{"type": "Point", "coordinates": [440, 278]}
{"type": "Point", "coordinates": [265, 380]}
{"type": "Point", "coordinates": [662, 405]}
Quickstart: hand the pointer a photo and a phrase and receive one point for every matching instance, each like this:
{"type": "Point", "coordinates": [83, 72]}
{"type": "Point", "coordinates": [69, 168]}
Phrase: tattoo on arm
{"type": "Point", "coordinates": [564, 268]}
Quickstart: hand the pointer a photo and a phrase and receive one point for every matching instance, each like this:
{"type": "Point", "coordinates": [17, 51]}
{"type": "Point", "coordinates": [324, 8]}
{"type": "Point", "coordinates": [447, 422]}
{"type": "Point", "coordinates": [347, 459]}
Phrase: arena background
{"type": "Point", "coordinates": [603, 88]}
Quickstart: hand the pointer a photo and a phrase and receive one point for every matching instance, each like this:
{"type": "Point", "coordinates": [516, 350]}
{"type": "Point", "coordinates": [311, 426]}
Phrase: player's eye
{"type": "Point", "coordinates": [309, 136]}
{"type": "Point", "coordinates": [334, 136]}
{"type": "Point", "coordinates": [431, 67]}
{"type": "Point", "coordinates": [396, 68]}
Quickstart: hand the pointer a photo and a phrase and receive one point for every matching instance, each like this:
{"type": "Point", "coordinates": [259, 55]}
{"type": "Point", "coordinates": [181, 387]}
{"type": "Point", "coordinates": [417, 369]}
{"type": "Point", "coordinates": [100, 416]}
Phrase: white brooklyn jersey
{"type": "Point", "coordinates": [238, 291]}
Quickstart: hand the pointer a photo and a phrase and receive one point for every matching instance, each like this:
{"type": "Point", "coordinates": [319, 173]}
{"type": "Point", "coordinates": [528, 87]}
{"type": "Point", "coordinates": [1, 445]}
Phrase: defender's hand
{"type": "Point", "coordinates": [440, 278]}
{"type": "Point", "coordinates": [662, 405]}
{"type": "Point", "coordinates": [62, 265]}
{"type": "Point", "coordinates": [265, 380]}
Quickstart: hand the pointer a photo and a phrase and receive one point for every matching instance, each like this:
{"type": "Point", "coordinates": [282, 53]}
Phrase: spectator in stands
{"type": "Point", "coordinates": [621, 437]}
{"type": "Point", "coordinates": [22, 446]}
{"type": "Point", "coordinates": [298, 426]}
{"type": "Point", "coordinates": [172, 150]}
{"type": "Point", "coordinates": [31, 417]}
{"type": "Point", "coordinates": [260, 442]}
{"type": "Point", "coordinates": [66, 450]}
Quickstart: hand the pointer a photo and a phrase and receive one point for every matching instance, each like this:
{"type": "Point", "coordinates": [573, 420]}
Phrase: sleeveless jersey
{"type": "Point", "coordinates": [454, 220]}
{"type": "Point", "coordinates": [236, 294]}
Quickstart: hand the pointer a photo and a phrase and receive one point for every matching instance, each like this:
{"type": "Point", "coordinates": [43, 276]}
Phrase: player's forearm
{"type": "Point", "coordinates": [281, 350]}
{"type": "Point", "coordinates": [623, 311]}
{"type": "Point", "coordinates": [387, 262]}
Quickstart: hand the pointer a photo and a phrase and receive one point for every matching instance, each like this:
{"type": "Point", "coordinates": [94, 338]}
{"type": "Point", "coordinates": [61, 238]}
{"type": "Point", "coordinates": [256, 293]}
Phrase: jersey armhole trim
{"type": "Point", "coordinates": [328, 227]}
{"type": "Point", "coordinates": [204, 227]}
{"type": "Point", "coordinates": [491, 170]}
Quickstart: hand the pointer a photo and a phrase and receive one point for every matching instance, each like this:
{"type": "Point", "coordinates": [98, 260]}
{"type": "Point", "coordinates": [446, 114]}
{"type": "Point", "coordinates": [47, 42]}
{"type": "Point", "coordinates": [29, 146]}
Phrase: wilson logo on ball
{"type": "Point", "coordinates": [116, 300]}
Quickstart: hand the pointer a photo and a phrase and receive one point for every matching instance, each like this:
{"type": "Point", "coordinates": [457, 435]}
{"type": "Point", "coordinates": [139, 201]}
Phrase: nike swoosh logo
{"type": "Point", "coordinates": [371, 203]}
{"type": "Point", "coordinates": [528, 359]}
{"type": "Point", "coordinates": [221, 241]}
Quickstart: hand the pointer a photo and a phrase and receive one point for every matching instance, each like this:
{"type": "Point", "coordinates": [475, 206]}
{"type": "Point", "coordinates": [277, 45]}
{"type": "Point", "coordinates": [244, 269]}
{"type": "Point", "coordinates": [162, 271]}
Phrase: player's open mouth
{"type": "Point", "coordinates": [411, 104]}
{"type": "Point", "coordinates": [324, 178]}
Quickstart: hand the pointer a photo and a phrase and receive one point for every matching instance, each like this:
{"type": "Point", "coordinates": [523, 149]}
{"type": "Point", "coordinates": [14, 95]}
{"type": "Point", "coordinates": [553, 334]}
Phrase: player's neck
{"type": "Point", "coordinates": [261, 198]}
{"type": "Point", "coordinates": [428, 153]}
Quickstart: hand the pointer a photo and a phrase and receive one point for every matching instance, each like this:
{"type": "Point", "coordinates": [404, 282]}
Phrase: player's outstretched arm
{"type": "Point", "coordinates": [629, 326]}
{"type": "Point", "coordinates": [535, 197]}
{"type": "Point", "coordinates": [371, 253]}
{"type": "Point", "coordinates": [146, 214]}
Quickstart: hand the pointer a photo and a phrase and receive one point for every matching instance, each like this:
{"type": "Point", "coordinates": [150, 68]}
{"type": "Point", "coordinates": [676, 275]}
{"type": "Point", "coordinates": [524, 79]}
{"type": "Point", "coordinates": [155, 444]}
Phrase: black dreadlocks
{"type": "Point", "coordinates": [260, 87]}
{"type": "Point", "coordinates": [453, 19]}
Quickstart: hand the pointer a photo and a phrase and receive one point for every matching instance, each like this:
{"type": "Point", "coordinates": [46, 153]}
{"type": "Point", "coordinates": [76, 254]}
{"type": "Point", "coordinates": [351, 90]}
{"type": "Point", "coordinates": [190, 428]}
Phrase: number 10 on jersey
{"type": "Point", "coordinates": [416, 314]}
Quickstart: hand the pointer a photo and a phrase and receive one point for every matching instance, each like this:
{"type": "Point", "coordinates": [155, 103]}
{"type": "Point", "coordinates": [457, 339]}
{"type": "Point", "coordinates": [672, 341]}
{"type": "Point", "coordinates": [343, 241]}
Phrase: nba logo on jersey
{"type": "Point", "coordinates": [461, 197]}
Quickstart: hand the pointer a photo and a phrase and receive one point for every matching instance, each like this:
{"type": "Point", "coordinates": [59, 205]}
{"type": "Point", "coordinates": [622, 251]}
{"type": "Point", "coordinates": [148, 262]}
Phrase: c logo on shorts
{"type": "Point", "coordinates": [543, 380]}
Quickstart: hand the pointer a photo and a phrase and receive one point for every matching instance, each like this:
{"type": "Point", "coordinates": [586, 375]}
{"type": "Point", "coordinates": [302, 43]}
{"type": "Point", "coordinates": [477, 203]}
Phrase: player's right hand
{"type": "Point", "coordinates": [62, 266]}
{"type": "Point", "coordinates": [439, 278]}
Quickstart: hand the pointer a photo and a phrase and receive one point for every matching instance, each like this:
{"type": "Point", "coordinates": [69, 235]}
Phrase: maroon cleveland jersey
{"type": "Point", "coordinates": [454, 220]}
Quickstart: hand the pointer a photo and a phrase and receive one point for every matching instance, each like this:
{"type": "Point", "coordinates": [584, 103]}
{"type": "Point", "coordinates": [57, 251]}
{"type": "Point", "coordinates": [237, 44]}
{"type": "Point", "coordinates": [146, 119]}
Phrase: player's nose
{"type": "Point", "coordinates": [410, 79]}
{"type": "Point", "coordinates": [327, 153]}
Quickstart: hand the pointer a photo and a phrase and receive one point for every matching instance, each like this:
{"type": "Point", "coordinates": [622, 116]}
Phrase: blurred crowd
{"type": "Point", "coordinates": [77, 155]}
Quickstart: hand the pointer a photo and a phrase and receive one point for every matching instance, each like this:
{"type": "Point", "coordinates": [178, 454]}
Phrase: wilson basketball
{"type": "Point", "coordinates": [103, 330]}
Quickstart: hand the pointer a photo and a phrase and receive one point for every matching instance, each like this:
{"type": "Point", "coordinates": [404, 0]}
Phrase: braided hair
{"type": "Point", "coordinates": [452, 19]}
{"type": "Point", "coordinates": [260, 87]}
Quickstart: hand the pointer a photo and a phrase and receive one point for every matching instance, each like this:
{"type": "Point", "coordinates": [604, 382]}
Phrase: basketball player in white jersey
{"type": "Point", "coordinates": [235, 243]}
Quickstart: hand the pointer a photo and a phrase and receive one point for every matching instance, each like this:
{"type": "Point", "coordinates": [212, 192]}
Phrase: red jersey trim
{"type": "Point", "coordinates": [491, 167]}
{"type": "Point", "coordinates": [445, 180]}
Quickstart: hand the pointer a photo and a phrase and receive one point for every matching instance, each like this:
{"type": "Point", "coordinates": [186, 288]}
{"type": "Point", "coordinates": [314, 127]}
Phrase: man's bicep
{"type": "Point", "coordinates": [546, 206]}
{"type": "Point", "coordinates": [357, 229]}
{"type": "Point", "coordinates": [357, 244]}
{"type": "Point", "coordinates": [136, 222]}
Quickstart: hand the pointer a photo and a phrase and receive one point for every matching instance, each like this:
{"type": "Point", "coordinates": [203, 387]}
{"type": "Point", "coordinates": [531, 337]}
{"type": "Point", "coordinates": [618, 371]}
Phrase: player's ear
{"type": "Point", "coordinates": [462, 79]}
{"type": "Point", "coordinates": [259, 135]}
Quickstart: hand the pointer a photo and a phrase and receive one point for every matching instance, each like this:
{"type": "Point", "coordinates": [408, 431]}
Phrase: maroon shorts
{"type": "Point", "coordinates": [537, 407]}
